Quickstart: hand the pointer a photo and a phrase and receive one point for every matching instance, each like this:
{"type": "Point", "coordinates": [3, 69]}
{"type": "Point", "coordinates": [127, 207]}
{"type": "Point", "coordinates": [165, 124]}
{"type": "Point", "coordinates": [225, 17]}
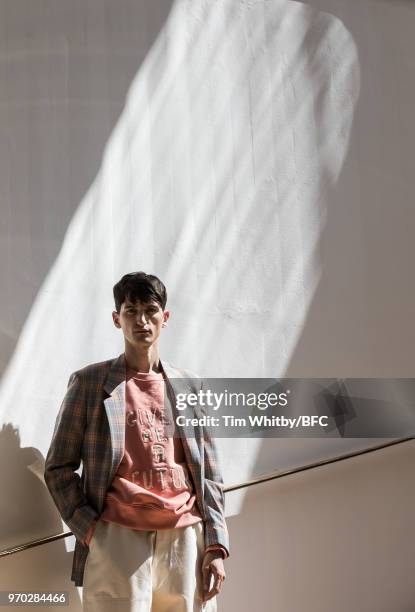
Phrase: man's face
{"type": "Point", "coordinates": [141, 322]}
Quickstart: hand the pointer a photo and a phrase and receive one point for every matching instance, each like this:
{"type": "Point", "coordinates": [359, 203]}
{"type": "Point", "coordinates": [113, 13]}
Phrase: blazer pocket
{"type": "Point", "coordinates": [93, 534]}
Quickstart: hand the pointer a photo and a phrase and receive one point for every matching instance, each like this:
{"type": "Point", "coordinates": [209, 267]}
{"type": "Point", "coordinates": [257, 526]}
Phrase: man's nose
{"type": "Point", "coordinates": [141, 318]}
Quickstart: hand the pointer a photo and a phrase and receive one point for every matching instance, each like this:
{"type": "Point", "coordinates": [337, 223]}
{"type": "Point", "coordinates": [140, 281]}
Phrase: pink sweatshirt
{"type": "Point", "coordinates": [152, 488]}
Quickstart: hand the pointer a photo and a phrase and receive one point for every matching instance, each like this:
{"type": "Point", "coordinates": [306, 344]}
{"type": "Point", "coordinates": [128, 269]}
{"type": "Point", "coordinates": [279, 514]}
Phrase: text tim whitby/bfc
{"type": "Point", "coordinates": [229, 420]}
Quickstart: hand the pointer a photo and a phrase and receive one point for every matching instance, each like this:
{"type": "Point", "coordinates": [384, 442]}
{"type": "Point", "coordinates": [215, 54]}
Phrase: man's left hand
{"type": "Point", "coordinates": [212, 565]}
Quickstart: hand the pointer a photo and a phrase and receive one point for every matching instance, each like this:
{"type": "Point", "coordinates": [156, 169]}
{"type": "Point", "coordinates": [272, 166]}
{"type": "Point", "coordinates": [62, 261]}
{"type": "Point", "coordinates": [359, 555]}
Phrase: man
{"type": "Point", "coordinates": [148, 509]}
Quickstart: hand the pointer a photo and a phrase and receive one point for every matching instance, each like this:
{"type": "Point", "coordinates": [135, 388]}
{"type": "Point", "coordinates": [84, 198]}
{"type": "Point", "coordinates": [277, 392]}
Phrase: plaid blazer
{"type": "Point", "coordinates": [90, 427]}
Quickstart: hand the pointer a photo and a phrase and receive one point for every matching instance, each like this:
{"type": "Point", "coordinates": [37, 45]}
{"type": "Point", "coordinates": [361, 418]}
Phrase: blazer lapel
{"type": "Point", "coordinates": [189, 434]}
{"type": "Point", "coordinates": [115, 409]}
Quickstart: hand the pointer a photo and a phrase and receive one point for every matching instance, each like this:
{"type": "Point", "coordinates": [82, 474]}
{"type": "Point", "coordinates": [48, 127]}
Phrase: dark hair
{"type": "Point", "coordinates": [139, 286]}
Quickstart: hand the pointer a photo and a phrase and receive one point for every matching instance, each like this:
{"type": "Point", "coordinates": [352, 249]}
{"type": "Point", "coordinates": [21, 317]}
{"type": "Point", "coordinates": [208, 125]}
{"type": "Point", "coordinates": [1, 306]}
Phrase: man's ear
{"type": "Point", "coordinates": [116, 318]}
{"type": "Point", "coordinates": [166, 315]}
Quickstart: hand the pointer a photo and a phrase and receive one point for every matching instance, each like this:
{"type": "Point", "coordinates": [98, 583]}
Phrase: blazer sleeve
{"type": "Point", "coordinates": [216, 531]}
{"type": "Point", "coordinates": [64, 457]}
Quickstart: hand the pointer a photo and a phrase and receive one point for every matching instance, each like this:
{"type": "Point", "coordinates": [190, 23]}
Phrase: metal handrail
{"type": "Point", "coordinates": [248, 483]}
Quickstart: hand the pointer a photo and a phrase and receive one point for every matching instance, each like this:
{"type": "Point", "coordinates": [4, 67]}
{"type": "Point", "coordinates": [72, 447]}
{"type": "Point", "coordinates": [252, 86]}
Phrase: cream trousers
{"type": "Point", "coordinates": [145, 571]}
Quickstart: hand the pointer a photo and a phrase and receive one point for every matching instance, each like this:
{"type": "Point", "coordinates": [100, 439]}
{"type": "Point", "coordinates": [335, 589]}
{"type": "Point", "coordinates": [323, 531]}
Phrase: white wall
{"type": "Point", "coordinates": [333, 539]}
{"type": "Point", "coordinates": [260, 164]}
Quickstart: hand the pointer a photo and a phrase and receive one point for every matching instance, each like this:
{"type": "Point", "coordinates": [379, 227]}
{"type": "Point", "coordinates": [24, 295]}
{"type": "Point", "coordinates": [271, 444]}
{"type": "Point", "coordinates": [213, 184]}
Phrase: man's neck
{"type": "Point", "coordinates": [143, 361]}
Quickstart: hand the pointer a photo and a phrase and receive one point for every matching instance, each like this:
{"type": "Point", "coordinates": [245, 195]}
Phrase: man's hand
{"type": "Point", "coordinates": [212, 565]}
